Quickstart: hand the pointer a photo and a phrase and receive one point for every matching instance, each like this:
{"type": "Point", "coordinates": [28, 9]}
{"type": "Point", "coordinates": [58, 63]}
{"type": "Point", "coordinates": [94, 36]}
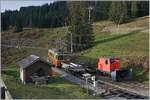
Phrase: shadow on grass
{"type": "Point", "coordinates": [117, 37]}
{"type": "Point", "coordinates": [85, 60]}
{"type": "Point", "coordinates": [58, 80]}
{"type": "Point", "coordinates": [13, 73]}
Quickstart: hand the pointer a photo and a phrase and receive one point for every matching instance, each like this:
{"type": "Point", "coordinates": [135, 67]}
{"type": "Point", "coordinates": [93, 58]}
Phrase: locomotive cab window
{"type": "Point", "coordinates": [106, 61]}
{"type": "Point", "coordinates": [112, 61]}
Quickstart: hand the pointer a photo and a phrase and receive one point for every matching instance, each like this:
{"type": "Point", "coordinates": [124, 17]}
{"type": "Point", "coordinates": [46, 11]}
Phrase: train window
{"type": "Point", "coordinates": [112, 61]}
{"type": "Point", "coordinates": [106, 61]}
{"type": "Point", "coordinates": [60, 57]}
{"type": "Point", "coordinates": [51, 54]}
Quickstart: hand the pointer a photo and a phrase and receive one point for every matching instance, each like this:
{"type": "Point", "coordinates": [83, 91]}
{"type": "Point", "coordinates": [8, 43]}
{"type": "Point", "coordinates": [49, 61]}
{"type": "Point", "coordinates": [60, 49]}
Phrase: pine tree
{"type": "Point", "coordinates": [134, 9]}
{"type": "Point", "coordinates": [5, 22]}
{"type": "Point", "coordinates": [80, 28]}
{"type": "Point", "coordinates": [87, 34]}
{"type": "Point", "coordinates": [101, 10]}
{"type": "Point", "coordinates": [19, 24]}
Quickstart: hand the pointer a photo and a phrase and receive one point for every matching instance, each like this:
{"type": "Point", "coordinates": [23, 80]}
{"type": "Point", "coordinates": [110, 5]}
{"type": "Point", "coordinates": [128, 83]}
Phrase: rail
{"type": "Point", "coordinates": [105, 89]}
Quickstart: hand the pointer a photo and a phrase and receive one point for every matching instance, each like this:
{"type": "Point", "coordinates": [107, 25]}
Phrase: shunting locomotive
{"type": "Point", "coordinates": [112, 66]}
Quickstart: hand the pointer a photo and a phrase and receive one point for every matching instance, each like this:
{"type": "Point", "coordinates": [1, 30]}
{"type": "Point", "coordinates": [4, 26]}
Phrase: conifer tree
{"type": "Point", "coordinates": [134, 9]}
{"type": "Point", "coordinates": [80, 28]}
{"type": "Point", "coordinates": [19, 24]}
{"type": "Point", "coordinates": [5, 22]}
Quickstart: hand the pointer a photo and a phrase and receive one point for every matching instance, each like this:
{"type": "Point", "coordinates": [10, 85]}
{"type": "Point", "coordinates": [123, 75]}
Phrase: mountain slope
{"type": "Point", "coordinates": [130, 42]}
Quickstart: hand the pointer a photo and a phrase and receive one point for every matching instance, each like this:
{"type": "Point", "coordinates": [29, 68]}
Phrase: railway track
{"type": "Point", "coordinates": [104, 89]}
{"type": "Point", "coordinates": [135, 87]}
{"type": "Point", "coordinates": [135, 84]}
{"type": "Point", "coordinates": [117, 93]}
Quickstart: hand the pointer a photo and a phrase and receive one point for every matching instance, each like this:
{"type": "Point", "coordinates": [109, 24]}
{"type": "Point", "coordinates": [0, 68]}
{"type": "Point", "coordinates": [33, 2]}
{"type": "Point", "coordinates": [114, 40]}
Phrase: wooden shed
{"type": "Point", "coordinates": [33, 65]}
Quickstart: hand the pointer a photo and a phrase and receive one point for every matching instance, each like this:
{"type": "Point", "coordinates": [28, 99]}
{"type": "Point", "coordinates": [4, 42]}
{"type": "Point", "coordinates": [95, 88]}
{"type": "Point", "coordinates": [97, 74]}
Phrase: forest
{"type": "Point", "coordinates": [57, 14]}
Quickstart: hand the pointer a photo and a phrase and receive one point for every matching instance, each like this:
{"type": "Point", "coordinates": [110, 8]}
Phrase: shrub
{"type": "Point", "coordinates": [138, 62]}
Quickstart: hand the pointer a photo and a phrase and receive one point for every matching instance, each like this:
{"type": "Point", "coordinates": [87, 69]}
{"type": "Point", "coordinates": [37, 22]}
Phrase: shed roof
{"type": "Point", "coordinates": [26, 62]}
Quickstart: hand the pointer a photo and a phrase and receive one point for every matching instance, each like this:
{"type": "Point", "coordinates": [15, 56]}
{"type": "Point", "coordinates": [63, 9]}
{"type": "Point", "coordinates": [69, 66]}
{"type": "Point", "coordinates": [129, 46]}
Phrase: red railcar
{"type": "Point", "coordinates": [112, 66]}
{"type": "Point", "coordinates": [108, 64]}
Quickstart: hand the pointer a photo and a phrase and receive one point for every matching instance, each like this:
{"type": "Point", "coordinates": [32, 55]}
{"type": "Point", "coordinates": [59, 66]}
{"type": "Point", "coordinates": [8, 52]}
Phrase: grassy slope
{"type": "Point", "coordinates": [58, 89]}
{"type": "Point", "coordinates": [130, 41]}
{"type": "Point", "coordinates": [133, 44]}
{"type": "Point", "coordinates": [107, 41]}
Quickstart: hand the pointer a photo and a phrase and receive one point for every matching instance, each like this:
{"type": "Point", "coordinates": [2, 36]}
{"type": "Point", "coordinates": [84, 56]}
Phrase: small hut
{"type": "Point", "coordinates": [33, 65]}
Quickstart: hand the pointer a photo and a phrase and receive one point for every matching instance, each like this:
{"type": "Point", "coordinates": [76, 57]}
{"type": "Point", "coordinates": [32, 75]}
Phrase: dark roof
{"type": "Point", "coordinates": [26, 62]}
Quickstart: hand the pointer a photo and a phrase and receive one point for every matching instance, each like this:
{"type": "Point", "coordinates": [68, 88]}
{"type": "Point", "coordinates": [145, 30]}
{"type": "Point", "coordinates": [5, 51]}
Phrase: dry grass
{"type": "Point", "coordinates": [136, 24]}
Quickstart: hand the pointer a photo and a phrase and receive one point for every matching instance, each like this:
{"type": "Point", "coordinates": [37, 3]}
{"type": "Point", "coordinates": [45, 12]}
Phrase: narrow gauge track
{"type": "Point", "coordinates": [116, 93]}
{"type": "Point", "coordinates": [135, 87]}
{"type": "Point", "coordinates": [131, 84]}
{"type": "Point", "coordinates": [106, 90]}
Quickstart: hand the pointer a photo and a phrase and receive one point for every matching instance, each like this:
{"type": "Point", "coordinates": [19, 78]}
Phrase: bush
{"type": "Point", "coordinates": [140, 68]}
{"type": "Point", "coordinates": [138, 62]}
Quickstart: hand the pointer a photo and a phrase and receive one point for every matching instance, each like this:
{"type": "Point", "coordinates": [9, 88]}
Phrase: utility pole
{"type": "Point", "coordinates": [90, 8]}
{"type": "Point", "coordinates": [57, 41]}
{"type": "Point", "coordinates": [71, 43]}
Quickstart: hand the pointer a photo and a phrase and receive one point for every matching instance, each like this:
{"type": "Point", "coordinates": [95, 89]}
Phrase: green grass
{"type": "Point", "coordinates": [58, 89]}
{"type": "Point", "coordinates": [140, 75]}
{"type": "Point", "coordinates": [132, 44]}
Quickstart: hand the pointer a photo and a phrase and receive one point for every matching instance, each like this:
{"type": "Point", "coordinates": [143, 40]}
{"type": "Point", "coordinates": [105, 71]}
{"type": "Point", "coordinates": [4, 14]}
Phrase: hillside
{"type": "Point", "coordinates": [127, 40]}
{"type": "Point", "coordinates": [130, 39]}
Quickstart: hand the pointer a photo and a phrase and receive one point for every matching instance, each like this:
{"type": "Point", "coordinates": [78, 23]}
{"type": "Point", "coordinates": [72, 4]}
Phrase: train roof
{"type": "Point", "coordinates": [56, 51]}
{"type": "Point", "coordinates": [109, 57]}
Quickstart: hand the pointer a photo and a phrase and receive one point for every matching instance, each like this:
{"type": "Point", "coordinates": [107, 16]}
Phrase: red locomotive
{"type": "Point", "coordinates": [112, 66]}
{"type": "Point", "coordinates": [108, 64]}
